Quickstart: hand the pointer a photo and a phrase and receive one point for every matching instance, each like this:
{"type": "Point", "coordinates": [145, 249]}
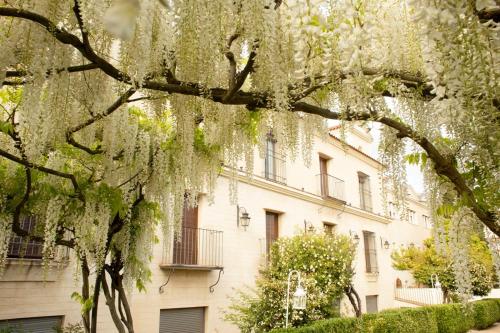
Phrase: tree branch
{"type": "Point", "coordinates": [487, 14]}
{"type": "Point", "coordinates": [232, 62]}
{"type": "Point", "coordinates": [255, 99]}
{"type": "Point", "coordinates": [442, 165]}
{"type": "Point", "coordinates": [53, 172]}
{"type": "Point", "coordinates": [71, 69]}
{"type": "Point", "coordinates": [115, 106]}
{"type": "Point", "coordinates": [110, 301]}
{"type": "Point", "coordinates": [239, 79]}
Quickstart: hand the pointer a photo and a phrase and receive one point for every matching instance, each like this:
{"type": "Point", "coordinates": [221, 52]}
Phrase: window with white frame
{"type": "Point", "coordinates": [426, 221]}
{"type": "Point", "coordinates": [392, 210]}
{"type": "Point", "coordinates": [412, 217]}
{"type": "Point", "coordinates": [365, 194]}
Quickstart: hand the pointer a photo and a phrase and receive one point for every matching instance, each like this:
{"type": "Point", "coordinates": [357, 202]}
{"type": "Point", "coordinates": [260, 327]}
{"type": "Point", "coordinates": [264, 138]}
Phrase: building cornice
{"type": "Point", "coordinates": [303, 195]}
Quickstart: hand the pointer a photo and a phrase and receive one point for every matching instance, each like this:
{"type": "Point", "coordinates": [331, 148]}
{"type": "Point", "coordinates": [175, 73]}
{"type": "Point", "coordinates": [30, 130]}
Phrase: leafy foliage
{"type": "Point", "coordinates": [325, 263]}
{"type": "Point", "coordinates": [448, 318]}
{"type": "Point", "coordinates": [426, 261]}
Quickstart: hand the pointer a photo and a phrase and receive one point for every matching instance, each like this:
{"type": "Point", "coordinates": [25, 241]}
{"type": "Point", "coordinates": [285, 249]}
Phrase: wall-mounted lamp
{"type": "Point", "coordinates": [309, 227]}
{"type": "Point", "coordinates": [242, 217]}
{"type": "Point", "coordinates": [384, 244]}
{"type": "Point", "coordinates": [354, 237]}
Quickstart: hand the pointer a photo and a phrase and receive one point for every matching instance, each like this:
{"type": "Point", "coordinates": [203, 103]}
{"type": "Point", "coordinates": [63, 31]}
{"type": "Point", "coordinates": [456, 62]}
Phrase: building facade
{"type": "Point", "coordinates": [194, 279]}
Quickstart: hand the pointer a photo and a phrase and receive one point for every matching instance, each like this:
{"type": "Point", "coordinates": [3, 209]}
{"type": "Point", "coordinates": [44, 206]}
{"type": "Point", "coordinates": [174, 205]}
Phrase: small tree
{"type": "Point", "coordinates": [426, 261]}
{"type": "Point", "coordinates": [325, 263]}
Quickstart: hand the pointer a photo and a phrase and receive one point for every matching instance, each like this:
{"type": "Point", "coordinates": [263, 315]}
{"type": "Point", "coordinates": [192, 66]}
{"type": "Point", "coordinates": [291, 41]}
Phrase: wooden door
{"type": "Point", "coordinates": [323, 176]}
{"type": "Point", "coordinates": [186, 246]}
{"type": "Point", "coordinates": [272, 231]}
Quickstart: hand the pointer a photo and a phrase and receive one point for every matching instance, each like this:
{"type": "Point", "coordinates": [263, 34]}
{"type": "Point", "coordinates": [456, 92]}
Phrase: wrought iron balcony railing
{"type": "Point", "coordinates": [193, 248]}
{"type": "Point", "coordinates": [330, 187]}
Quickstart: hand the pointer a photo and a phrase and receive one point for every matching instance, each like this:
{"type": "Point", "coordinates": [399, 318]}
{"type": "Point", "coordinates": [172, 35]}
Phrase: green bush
{"type": "Point", "coordinates": [417, 320]}
{"type": "Point", "coordinates": [452, 318]}
{"type": "Point", "coordinates": [446, 318]}
{"type": "Point", "coordinates": [486, 313]}
{"type": "Point", "coordinates": [325, 264]}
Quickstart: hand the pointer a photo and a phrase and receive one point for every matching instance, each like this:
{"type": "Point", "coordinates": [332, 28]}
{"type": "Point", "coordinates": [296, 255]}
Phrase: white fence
{"type": "Point", "coordinates": [419, 296]}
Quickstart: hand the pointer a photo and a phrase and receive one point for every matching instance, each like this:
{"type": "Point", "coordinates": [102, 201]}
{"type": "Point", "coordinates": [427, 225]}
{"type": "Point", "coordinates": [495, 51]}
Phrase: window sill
{"type": "Point", "coordinates": [31, 270]}
{"type": "Point", "coordinates": [371, 277]}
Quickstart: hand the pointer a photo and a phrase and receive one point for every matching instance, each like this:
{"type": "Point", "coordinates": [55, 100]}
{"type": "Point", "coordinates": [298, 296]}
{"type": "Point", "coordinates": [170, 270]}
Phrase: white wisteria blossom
{"type": "Point", "coordinates": [125, 110]}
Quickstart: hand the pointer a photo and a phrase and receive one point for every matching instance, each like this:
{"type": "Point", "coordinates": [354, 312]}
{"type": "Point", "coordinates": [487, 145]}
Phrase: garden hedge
{"type": "Point", "coordinates": [446, 318]}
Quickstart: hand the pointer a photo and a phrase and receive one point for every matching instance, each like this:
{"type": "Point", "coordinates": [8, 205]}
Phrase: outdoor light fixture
{"type": "Point", "coordinates": [354, 237]}
{"type": "Point", "coordinates": [385, 244]}
{"type": "Point", "coordinates": [309, 227]}
{"type": "Point", "coordinates": [242, 217]}
{"type": "Point", "coordinates": [435, 283]}
{"type": "Point", "coordinates": [299, 296]}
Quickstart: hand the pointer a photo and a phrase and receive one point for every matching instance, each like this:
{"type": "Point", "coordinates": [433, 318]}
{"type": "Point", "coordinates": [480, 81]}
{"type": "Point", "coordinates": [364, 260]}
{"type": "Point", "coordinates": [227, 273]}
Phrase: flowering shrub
{"type": "Point", "coordinates": [324, 262]}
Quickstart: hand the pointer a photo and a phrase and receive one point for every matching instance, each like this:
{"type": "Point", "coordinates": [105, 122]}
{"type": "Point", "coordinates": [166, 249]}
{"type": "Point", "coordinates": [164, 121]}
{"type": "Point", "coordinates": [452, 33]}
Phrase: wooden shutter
{"type": "Point", "coordinates": [323, 176]}
{"type": "Point", "coordinates": [370, 252]}
{"type": "Point", "coordinates": [272, 231]}
{"type": "Point", "coordinates": [32, 325]}
{"type": "Point", "coordinates": [186, 320]}
{"type": "Point", "coordinates": [186, 246]}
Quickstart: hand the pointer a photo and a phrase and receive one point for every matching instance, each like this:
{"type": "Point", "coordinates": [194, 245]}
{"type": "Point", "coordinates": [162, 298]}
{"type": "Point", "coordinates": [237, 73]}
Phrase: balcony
{"type": "Point", "coordinates": [193, 248]}
{"type": "Point", "coordinates": [275, 167]}
{"type": "Point", "coordinates": [330, 187]}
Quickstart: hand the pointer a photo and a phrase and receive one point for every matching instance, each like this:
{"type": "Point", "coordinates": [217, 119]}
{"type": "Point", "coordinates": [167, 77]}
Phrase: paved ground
{"type": "Point", "coordinates": [494, 329]}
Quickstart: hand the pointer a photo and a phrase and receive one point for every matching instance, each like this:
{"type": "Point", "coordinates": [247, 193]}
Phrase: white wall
{"type": "Point", "coordinates": [297, 201]}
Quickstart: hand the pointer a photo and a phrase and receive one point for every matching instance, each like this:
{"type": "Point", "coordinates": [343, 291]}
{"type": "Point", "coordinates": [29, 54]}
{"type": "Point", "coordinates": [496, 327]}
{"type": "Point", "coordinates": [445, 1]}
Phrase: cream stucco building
{"type": "Point", "coordinates": [193, 280]}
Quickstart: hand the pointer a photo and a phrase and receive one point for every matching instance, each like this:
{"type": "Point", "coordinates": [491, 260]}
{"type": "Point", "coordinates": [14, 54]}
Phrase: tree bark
{"type": "Point", "coordinates": [354, 299]}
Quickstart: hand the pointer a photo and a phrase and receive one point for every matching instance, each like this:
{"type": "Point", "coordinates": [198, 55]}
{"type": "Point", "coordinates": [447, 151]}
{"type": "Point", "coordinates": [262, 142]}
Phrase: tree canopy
{"type": "Point", "coordinates": [426, 261]}
{"type": "Point", "coordinates": [112, 111]}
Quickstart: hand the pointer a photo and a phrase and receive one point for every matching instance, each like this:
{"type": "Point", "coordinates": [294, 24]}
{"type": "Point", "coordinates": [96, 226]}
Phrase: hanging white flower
{"type": "Point", "coordinates": [120, 18]}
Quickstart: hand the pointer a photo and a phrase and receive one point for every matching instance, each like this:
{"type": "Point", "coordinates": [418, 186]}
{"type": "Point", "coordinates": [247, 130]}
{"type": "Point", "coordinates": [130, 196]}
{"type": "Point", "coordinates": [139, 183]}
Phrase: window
{"type": "Point", "coordinates": [185, 250]}
{"type": "Point", "coordinates": [392, 210]}
{"type": "Point", "coordinates": [426, 221]}
{"type": "Point", "coordinates": [34, 324]}
{"type": "Point", "coordinates": [365, 195]}
{"type": "Point", "coordinates": [370, 252]}
{"type": "Point", "coordinates": [411, 217]}
{"type": "Point", "coordinates": [328, 228]}
{"type": "Point", "coordinates": [272, 231]}
{"type": "Point", "coordinates": [372, 303]}
{"type": "Point", "coordinates": [182, 320]}
{"type": "Point", "coordinates": [323, 174]}
{"type": "Point", "coordinates": [23, 247]}
{"type": "Point", "coordinates": [274, 168]}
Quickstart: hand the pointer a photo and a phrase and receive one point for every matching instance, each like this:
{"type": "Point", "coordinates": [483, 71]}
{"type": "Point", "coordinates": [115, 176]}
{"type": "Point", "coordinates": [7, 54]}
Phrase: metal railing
{"type": "Point", "coordinates": [330, 186]}
{"type": "Point", "coordinates": [275, 167]}
{"type": "Point", "coordinates": [193, 247]}
{"type": "Point", "coordinates": [419, 296]}
{"type": "Point", "coordinates": [26, 248]}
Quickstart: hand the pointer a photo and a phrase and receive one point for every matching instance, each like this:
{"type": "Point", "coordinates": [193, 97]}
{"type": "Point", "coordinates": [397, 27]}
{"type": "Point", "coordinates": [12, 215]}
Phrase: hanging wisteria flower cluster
{"type": "Point", "coordinates": [110, 108]}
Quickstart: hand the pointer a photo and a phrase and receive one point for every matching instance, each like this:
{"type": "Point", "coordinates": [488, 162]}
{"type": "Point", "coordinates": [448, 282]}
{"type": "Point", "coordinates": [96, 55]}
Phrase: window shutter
{"type": "Point", "coordinates": [186, 320]}
{"type": "Point", "coordinates": [32, 325]}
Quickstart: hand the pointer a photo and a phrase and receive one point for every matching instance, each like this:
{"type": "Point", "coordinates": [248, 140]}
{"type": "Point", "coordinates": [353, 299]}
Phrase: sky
{"type": "Point", "coordinates": [414, 176]}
